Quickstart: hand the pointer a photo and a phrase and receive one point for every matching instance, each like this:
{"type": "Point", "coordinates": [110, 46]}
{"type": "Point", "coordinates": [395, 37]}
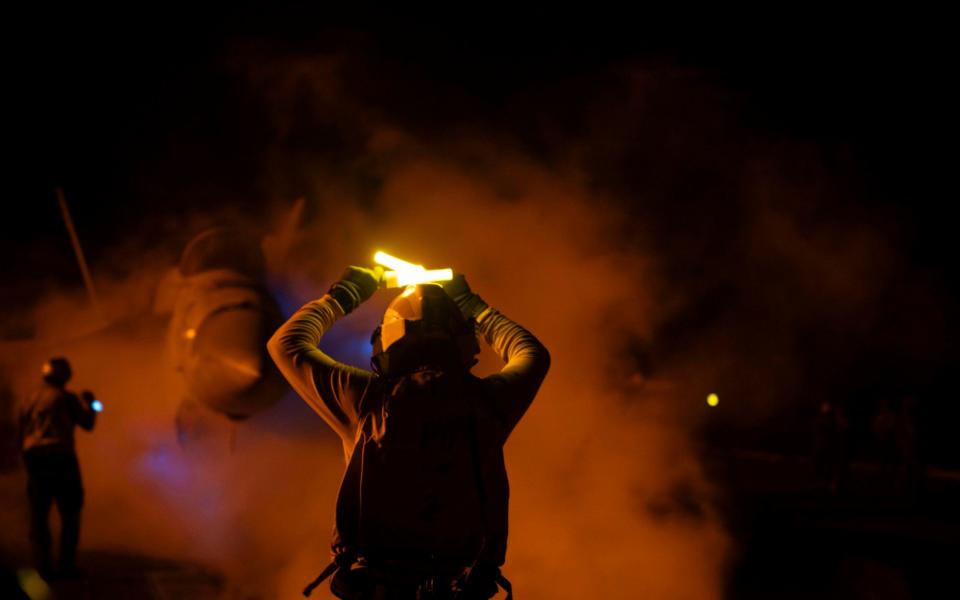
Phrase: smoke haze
{"type": "Point", "coordinates": [656, 247]}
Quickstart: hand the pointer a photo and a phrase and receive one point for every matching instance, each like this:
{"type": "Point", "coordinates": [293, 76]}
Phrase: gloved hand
{"type": "Point", "coordinates": [356, 285]}
{"type": "Point", "coordinates": [469, 303]}
{"type": "Point", "coordinates": [91, 401]}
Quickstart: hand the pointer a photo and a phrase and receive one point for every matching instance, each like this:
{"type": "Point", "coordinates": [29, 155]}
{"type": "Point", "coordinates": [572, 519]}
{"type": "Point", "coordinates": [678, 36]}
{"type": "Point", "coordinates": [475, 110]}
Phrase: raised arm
{"type": "Point", "coordinates": [331, 388]}
{"type": "Point", "coordinates": [83, 413]}
{"type": "Point", "coordinates": [527, 360]}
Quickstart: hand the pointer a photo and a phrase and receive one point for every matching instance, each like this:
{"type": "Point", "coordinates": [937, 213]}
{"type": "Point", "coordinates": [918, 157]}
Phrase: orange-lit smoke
{"type": "Point", "coordinates": [586, 463]}
{"type": "Point", "coordinates": [226, 510]}
{"type": "Point", "coordinates": [587, 459]}
{"type": "Point", "coordinates": [608, 499]}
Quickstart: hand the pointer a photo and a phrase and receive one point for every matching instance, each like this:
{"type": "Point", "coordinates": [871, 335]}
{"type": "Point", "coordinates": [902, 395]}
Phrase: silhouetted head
{"type": "Point", "coordinates": [423, 327]}
{"type": "Point", "coordinates": [56, 371]}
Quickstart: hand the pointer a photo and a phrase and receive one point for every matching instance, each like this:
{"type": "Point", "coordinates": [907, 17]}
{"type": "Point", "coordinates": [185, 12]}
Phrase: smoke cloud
{"type": "Point", "coordinates": [652, 244]}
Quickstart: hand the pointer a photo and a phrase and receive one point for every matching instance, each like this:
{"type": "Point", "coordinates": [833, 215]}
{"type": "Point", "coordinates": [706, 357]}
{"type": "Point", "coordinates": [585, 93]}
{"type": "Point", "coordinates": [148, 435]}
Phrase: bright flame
{"type": "Point", "coordinates": [713, 400]}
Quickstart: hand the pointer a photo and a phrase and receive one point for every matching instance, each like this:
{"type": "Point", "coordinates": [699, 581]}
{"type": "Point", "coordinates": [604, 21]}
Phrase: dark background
{"type": "Point", "coordinates": [142, 117]}
{"type": "Point", "coordinates": [139, 116]}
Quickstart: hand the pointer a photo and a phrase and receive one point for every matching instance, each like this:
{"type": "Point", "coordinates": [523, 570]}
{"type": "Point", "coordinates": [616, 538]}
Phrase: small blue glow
{"type": "Point", "coordinates": [97, 405]}
{"type": "Point", "coordinates": [165, 466]}
{"type": "Point", "coordinates": [349, 346]}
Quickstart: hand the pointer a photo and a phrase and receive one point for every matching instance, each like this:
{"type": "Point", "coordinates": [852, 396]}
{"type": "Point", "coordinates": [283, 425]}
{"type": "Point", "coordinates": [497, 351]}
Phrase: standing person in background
{"type": "Point", "coordinates": [910, 471]}
{"type": "Point", "coordinates": [47, 418]}
{"type": "Point", "coordinates": [831, 447]}
{"type": "Point", "coordinates": [883, 427]}
{"type": "Point", "coordinates": [422, 509]}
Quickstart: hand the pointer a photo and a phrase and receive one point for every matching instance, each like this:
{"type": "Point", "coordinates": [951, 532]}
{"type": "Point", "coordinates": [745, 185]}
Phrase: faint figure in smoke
{"type": "Point", "coordinates": [883, 428]}
{"type": "Point", "coordinates": [831, 447]}
{"type": "Point", "coordinates": [9, 450]}
{"type": "Point", "coordinates": [910, 468]}
{"type": "Point", "coordinates": [47, 418]}
{"type": "Point", "coordinates": [422, 508]}
{"type": "Point", "coordinates": [896, 437]}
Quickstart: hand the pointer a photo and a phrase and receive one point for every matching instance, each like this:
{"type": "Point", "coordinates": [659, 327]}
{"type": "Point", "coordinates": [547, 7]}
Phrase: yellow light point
{"type": "Point", "coordinates": [713, 400]}
{"type": "Point", "coordinates": [190, 334]}
{"type": "Point", "coordinates": [33, 585]}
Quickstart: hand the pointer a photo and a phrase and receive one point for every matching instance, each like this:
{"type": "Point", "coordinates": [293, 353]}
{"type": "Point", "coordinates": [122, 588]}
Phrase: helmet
{"type": "Point", "coordinates": [57, 371]}
{"type": "Point", "coordinates": [423, 326]}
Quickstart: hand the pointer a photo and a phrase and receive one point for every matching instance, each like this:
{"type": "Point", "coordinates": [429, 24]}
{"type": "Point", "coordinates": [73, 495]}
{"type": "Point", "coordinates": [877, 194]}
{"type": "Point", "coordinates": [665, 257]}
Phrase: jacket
{"type": "Point", "coordinates": [48, 416]}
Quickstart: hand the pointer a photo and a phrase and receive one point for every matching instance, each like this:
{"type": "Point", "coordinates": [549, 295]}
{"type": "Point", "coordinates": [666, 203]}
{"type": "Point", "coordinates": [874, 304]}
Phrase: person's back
{"type": "Point", "coordinates": [47, 418]}
{"type": "Point", "coordinates": [422, 509]}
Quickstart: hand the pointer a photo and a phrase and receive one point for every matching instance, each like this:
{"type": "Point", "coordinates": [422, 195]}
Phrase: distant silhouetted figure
{"type": "Point", "coordinates": [883, 427]}
{"type": "Point", "coordinates": [47, 418]}
{"type": "Point", "coordinates": [831, 447]}
{"type": "Point", "coordinates": [422, 509]}
{"type": "Point", "coordinates": [910, 469]}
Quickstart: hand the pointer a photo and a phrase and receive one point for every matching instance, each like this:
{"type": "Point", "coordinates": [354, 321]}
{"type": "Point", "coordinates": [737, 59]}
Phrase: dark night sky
{"type": "Point", "coordinates": [99, 95]}
{"type": "Point", "coordinates": [106, 101]}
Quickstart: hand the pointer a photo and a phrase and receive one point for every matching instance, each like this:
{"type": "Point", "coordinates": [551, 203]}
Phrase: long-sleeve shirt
{"type": "Point", "coordinates": [48, 417]}
{"type": "Point", "coordinates": [337, 391]}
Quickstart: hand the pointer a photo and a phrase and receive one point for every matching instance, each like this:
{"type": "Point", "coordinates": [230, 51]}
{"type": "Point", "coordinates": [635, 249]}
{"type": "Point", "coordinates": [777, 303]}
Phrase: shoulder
{"type": "Point", "coordinates": [484, 392]}
{"type": "Point", "coordinates": [65, 398]}
{"type": "Point", "coordinates": [40, 392]}
{"type": "Point", "coordinates": [373, 392]}
{"type": "Point", "coordinates": [479, 385]}
{"type": "Point", "coordinates": [38, 395]}
{"type": "Point", "coordinates": [58, 392]}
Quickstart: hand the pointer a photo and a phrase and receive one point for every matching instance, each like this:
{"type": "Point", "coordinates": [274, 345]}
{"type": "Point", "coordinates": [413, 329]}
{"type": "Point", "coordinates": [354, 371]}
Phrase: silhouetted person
{"type": "Point", "coordinates": [422, 508]}
{"type": "Point", "coordinates": [47, 419]}
{"type": "Point", "coordinates": [831, 447]}
{"type": "Point", "coordinates": [910, 468]}
{"type": "Point", "coordinates": [883, 426]}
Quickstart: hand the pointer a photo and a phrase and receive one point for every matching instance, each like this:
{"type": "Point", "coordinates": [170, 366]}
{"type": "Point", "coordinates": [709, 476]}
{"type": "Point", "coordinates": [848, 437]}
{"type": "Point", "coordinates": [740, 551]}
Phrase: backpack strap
{"type": "Point", "coordinates": [344, 560]}
{"type": "Point", "coordinates": [481, 581]}
{"type": "Point", "coordinates": [504, 583]}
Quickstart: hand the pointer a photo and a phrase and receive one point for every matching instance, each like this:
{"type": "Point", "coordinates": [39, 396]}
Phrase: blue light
{"type": "Point", "coordinates": [166, 466]}
{"type": "Point", "coordinates": [97, 405]}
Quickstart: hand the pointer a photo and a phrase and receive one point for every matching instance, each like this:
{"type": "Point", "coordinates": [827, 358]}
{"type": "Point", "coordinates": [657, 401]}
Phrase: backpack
{"type": "Point", "coordinates": [414, 489]}
{"type": "Point", "coordinates": [414, 492]}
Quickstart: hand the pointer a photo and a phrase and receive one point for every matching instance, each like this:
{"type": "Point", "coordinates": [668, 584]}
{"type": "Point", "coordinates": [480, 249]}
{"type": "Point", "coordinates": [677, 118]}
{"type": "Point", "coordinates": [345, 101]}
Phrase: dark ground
{"type": "Point", "coordinates": [869, 541]}
{"type": "Point", "coordinates": [876, 91]}
{"type": "Point", "coordinates": [122, 576]}
{"type": "Point", "coordinates": [791, 541]}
